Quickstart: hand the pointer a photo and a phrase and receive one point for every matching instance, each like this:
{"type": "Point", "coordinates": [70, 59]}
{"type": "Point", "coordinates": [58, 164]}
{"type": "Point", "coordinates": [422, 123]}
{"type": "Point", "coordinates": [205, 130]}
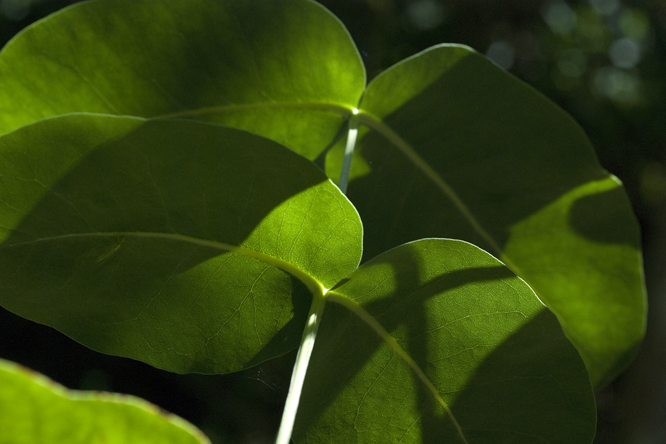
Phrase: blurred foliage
{"type": "Point", "coordinates": [604, 61]}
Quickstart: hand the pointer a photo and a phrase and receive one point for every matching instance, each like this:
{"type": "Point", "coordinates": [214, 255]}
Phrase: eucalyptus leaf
{"type": "Point", "coordinates": [462, 149]}
{"type": "Point", "coordinates": [449, 144]}
{"type": "Point", "coordinates": [34, 409]}
{"type": "Point", "coordinates": [284, 69]}
{"type": "Point", "coordinates": [185, 245]}
{"type": "Point", "coordinates": [437, 341]}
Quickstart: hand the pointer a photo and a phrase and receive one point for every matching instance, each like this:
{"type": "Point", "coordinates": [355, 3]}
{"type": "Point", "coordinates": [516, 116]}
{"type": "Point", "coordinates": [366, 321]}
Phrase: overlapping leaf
{"type": "Point", "coordinates": [462, 149]}
{"type": "Point", "coordinates": [34, 409]}
{"type": "Point", "coordinates": [437, 341]}
{"type": "Point", "coordinates": [173, 242]}
{"type": "Point", "coordinates": [284, 69]}
{"type": "Point", "coordinates": [456, 147]}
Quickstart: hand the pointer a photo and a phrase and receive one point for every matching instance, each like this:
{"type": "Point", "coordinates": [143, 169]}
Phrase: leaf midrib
{"type": "Point", "coordinates": [313, 284]}
{"type": "Point", "coordinates": [374, 123]}
{"type": "Point", "coordinates": [382, 128]}
{"type": "Point", "coordinates": [334, 108]}
{"type": "Point", "coordinates": [369, 120]}
{"type": "Point", "coordinates": [372, 322]}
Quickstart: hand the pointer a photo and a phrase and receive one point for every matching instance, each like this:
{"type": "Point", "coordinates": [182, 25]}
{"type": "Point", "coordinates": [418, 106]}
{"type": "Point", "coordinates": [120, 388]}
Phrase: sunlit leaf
{"type": "Point", "coordinates": [437, 341]}
{"type": "Point", "coordinates": [450, 145]}
{"type": "Point", "coordinates": [462, 149]}
{"type": "Point", "coordinates": [285, 69]}
{"type": "Point", "coordinates": [172, 242]}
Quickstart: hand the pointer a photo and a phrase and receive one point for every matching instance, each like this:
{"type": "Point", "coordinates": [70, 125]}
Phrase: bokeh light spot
{"type": "Point", "coordinates": [15, 9]}
{"type": "Point", "coordinates": [425, 14]}
{"type": "Point", "coordinates": [618, 85]}
{"type": "Point", "coordinates": [572, 62]}
{"type": "Point", "coordinates": [560, 18]}
{"type": "Point", "coordinates": [502, 53]}
{"type": "Point", "coordinates": [634, 24]}
{"type": "Point", "coordinates": [625, 53]}
{"type": "Point", "coordinates": [606, 7]}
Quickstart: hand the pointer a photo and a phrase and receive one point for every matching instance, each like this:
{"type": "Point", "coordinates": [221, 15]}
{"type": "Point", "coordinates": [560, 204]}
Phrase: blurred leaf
{"type": "Point", "coordinates": [468, 354]}
{"type": "Point", "coordinates": [464, 150]}
{"type": "Point", "coordinates": [35, 409]}
{"type": "Point", "coordinates": [173, 242]}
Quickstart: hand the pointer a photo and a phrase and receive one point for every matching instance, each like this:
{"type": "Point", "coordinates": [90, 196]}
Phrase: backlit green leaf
{"type": "Point", "coordinates": [462, 149]}
{"type": "Point", "coordinates": [285, 69]}
{"type": "Point", "coordinates": [182, 244]}
{"type": "Point", "coordinates": [437, 341]}
{"type": "Point", "coordinates": [34, 409]}
{"type": "Point", "coordinates": [450, 145]}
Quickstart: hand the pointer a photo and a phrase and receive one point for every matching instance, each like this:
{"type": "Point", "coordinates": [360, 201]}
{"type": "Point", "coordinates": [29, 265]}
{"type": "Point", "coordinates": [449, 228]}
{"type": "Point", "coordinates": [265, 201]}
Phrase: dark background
{"type": "Point", "coordinates": [604, 61]}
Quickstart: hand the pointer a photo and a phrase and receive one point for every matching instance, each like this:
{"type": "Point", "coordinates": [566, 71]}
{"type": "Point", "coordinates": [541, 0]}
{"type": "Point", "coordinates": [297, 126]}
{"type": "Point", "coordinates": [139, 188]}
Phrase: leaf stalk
{"type": "Point", "coordinates": [301, 367]}
{"type": "Point", "coordinates": [349, 150]}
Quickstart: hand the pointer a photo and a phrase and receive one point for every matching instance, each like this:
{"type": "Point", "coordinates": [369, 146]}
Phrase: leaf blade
{"type": "Point", "coordinates": [168, 241]}
{"type": "Point", "coordinates": [36, 409]}
{"type": "Point", "coordinates": [486, 159]}
{"type": "Point", "coordinates": [286, 70]}
{"type": "Point", "coordinates": [492, 351]}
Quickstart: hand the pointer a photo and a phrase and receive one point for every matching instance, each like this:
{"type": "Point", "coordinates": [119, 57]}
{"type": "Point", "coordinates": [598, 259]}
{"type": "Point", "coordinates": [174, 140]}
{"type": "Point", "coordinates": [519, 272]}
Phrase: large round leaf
{"type": "Point", "coordinates": [285, 69]}
{"type": "Point", "coordinates": [34, 409]}
{"type": "Point", "coordinates": [456, 146]}
{"type": "Point", "coordinates": [437, 341]}
{"type": "Point", "coordinates": [172, 242]}
{"type": "Point", "coordinates": [462, 149]}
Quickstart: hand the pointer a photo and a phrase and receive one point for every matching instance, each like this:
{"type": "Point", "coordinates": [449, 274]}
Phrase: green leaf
{"type": "Point", "coordinates": [35, 409]}
{"type": "Point", "coordinates": [285, 69]}
{"type": "Point", "coordinates": [182, 244]}
{"type": "Point", "coordinates": [462, 149]}
{"type": "Point", "coordinates": [450, 145]}
{"type": "Point", "coordinates": [437, 341]}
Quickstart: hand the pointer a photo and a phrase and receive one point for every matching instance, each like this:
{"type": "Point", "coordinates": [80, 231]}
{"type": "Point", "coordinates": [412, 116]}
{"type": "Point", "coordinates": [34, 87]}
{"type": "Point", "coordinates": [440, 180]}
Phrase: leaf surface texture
{"type": "Point", "coordinates": [437, 341]}
{"type": "Point", "coordinates": [178, 243]}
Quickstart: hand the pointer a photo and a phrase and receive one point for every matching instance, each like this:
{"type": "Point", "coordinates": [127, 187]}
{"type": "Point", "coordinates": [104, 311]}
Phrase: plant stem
{"type": "Point", "coordinates": [301, 367]}
{"type": "Point", "coordinates": [349, 151]}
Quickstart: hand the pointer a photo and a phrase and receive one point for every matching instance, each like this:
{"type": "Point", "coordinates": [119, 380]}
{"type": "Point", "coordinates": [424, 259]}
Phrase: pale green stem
{"type": "Point", "coordinates": [301, 367]}
{"type": "Point", "coordinates": [349, 151]}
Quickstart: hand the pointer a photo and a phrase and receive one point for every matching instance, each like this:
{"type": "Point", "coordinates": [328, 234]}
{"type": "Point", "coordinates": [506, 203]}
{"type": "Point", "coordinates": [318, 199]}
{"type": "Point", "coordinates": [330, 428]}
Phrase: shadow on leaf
{"type": "Point", "coordinates": [115, 234]}
{"type": "Point", "coordinates": [476, 331]}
